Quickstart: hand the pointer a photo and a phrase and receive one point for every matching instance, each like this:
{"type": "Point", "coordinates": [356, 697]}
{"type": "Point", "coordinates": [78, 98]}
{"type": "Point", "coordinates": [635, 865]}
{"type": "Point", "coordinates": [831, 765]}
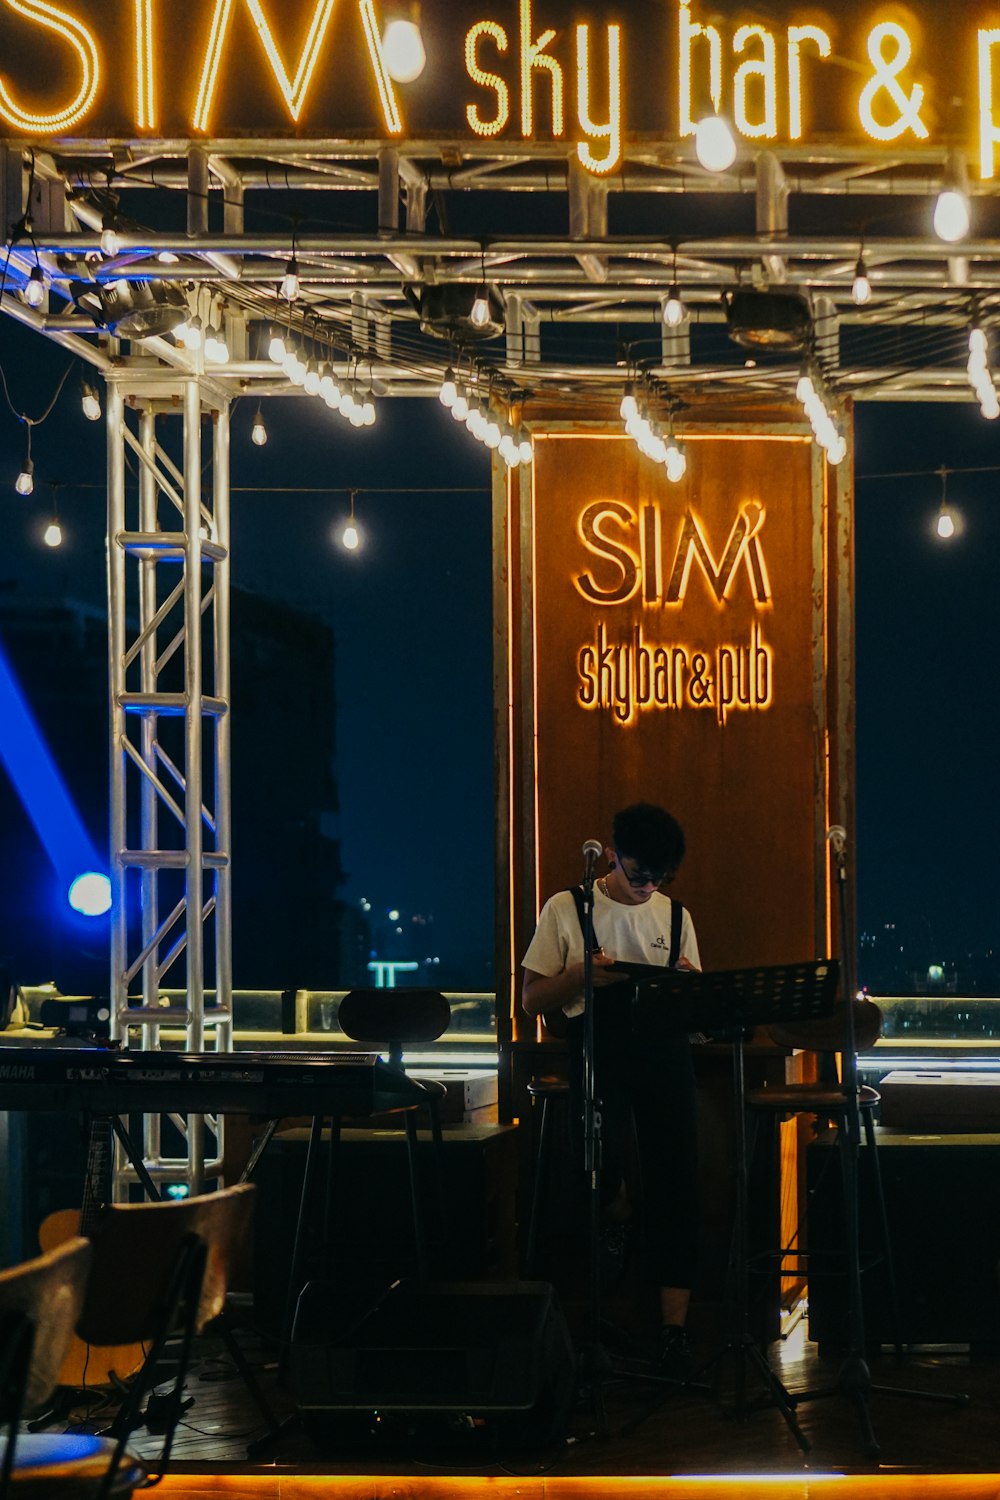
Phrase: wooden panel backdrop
{"type": "Point", "coordinates": [688, 644]}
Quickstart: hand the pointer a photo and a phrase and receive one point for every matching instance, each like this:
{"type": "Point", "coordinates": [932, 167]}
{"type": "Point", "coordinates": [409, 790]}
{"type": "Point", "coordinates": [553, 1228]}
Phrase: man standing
{"type": "Point", "coordinates": [650, 1086]}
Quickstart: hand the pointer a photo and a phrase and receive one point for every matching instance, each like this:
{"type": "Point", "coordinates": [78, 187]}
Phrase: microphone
{"type": "Point", "coordinates": [592, 852]}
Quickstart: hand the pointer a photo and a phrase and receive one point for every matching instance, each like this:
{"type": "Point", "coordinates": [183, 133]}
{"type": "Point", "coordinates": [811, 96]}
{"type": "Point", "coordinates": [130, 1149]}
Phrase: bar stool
{"type": "Point", "coordinates": [553, 1092]}
{"type": "Point", "coordinates": [829, 1101]}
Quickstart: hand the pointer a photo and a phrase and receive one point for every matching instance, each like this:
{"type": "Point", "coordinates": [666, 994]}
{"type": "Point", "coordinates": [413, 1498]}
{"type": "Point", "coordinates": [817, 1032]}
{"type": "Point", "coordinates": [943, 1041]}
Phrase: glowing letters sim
{"type": "Point", "coordinates": [630, 672]}
{"type": "Point", "coordinates": [640, 563]}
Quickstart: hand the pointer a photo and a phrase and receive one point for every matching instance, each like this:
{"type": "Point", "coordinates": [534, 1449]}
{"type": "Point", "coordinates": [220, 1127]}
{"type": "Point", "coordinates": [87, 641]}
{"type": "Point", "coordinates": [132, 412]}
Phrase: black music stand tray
{"type": "Point", "coordinates": [723, 1004]}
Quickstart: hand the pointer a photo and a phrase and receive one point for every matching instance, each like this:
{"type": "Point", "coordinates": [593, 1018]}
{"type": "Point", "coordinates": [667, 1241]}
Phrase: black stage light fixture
{"type": "Point", "coordinates": [133, 309]}
{"type": "Point", "coordinates": [780, 320]}
{"type": "Point", "coordinates": [446, 311]}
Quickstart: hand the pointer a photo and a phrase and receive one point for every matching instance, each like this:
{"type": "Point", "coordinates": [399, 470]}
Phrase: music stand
{"type": "Point", "coordinates": [724, 1003]}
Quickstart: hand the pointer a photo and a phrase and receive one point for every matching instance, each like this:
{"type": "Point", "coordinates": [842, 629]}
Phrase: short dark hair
{"type": "Point", "coordinates": [649, 835]}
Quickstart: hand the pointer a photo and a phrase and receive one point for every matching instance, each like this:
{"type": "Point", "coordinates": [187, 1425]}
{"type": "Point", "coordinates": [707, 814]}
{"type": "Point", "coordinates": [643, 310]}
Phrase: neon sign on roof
{"type": "Point", "coordinates": [591, 73]}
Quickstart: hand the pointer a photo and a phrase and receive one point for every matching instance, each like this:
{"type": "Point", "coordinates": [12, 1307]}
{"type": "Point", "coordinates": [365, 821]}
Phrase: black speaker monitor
{"type": "Point", "coordinates": [496, 1353]}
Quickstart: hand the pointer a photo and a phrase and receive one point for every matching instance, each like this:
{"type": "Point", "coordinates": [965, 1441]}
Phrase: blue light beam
{"type": "Point", "coordinates": [37, 782]}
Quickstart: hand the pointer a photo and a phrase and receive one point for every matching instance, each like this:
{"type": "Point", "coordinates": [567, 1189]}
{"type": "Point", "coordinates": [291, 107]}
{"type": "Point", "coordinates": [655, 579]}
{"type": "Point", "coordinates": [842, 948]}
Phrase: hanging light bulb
{"type": "Point", "coordinates": [449, 390]}
{"type": "Point", "coordinates": [368, 412]}
{"type": "Point", "coordinates": [945, 523]}
{"type": "Point", "coordinates": [193, 337]}
{"type": "Point", "coordinates": [258, 434]}
{"type": "Point", "coordinates": [290, 280]}
{"type": "Point", "coordinates": [403, 49]}
{"type": "Point", "coordinates": [805, 390]}
{"type": "Point", "coordinates": [34, 292]}
{"type": "Point", "coordinates": [110, 243]}
{"type": "Point", "coordinates": [350, 537]}
{"type": "Point", "coordinates": [952, 218]}
{"type": "Point", "coordinates": [460, 405]}
{"type": "Point", "coordinates": [673, 308]}
{"type": "Point", "coordinates": [310, 381]}
{"type": "Point", "coordinates": [89, 400]}
{"type": "Point", "coordinates": [714, 144]}
{"type": "Point", "coordinates": [861, 290]}
{"type": "Point", "coordinates": [52, 536]}
{"type": "Point", "coordinates": [25, 481]}
{"type": "Point", "coordinates": [479, 314]}
{"type": "Point", "coordinates": [526, 452]}
{"type": "Point", "coordinates": [212, 342]}
{"type": "Point", "coordinates": [275, 344]}
{"type": "Point", "coordinates": [629, 406]}
{"type": "Point", "coordinates": [329, 389]}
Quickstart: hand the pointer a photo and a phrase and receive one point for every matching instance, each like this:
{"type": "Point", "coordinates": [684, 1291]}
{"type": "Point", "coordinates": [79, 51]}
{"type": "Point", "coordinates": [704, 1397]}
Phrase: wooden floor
{"type": "Point", "coordinates": [693, 1438]}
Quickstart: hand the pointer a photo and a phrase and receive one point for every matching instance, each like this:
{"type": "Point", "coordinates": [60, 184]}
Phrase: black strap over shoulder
{"type": "Point", "coordinates": [676, 922]}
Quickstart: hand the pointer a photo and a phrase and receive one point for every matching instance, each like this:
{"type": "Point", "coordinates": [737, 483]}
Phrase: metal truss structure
{"type": "Point", "coordinates": [168, 567]}
{"type": "Point", "coordinates": [582, 267]}
{"type": "Point", "coordinates": [582, 297]}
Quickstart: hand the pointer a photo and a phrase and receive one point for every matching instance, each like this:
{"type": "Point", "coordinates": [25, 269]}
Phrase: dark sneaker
{"type": "Point", "coordinates": [673, 1353]}
{"type": "Point", "coordinates": [614, 1252]}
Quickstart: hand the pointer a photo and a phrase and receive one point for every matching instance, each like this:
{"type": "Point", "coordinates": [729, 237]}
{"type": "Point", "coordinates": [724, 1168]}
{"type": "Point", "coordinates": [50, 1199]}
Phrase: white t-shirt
{"type": "Point", "coordinates": [632, 934]}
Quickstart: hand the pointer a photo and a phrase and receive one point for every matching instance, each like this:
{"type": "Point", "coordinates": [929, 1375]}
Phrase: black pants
{"type": "Point", "coordinates": [645, 1084]}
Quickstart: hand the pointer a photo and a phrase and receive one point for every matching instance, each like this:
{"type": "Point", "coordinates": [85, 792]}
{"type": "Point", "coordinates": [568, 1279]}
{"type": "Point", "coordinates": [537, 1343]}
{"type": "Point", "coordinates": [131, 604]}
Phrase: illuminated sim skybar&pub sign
{"type": "Point", "coordinates": [593, 75]}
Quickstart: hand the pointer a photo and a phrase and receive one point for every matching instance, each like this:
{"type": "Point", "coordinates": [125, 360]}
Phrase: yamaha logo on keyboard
{"type": "Point", "coordinates": [13, 1072]}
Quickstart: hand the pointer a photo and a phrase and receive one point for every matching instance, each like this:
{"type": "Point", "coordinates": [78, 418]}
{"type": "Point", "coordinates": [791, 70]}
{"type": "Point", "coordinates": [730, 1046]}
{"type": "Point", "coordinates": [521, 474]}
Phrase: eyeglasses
{"type": "Point", "coordinates": [639, 878]}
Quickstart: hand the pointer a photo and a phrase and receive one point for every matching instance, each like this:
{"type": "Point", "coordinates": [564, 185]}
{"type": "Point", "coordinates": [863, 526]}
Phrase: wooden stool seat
{"type": "Point", "coordinates": [809, 1098]}
{"type": "Point", "coordinates": [835, 1033]}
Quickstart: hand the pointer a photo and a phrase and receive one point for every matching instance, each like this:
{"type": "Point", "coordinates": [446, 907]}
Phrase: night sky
{"type": "Point", "coordinates": [411, 615]}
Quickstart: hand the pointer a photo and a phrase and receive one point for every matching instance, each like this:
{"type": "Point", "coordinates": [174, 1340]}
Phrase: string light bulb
{"type": "Point", "coordinates": [945, 526]}
{"type": "Point", "coordinates": [90, 401]}
{"type": "Point", "coordinates": [258, 434]}
{"type": "Point", "coordinates": [34, 291]}
{"type": "Point", "coordinates": [861, 290]}
{"type": "Point", "coordinates": [350, 537]}
{"type": "Point", "coordinates": [479, 314]}
{"type": "Point", "coordinates": [52, 536]}
{"type": "Point", "coordinates": [449, 390]}
{"type": "Point", "coordinates": [25, 481]}
{"type": "Point", "coordinates": [952, 210]}
{"type": "Point", "coordinates": [403, 48]}
{"type": "Point", "coordinates": [673, 308]}
{"type": "Point", "coordinates": [290, 280]}
{"type": "Point", "coordinates": [275, 344]}
{"type": "Point", "coordinates": [110, 243]}
{"type": "Point", "coordinates": [714, 143]}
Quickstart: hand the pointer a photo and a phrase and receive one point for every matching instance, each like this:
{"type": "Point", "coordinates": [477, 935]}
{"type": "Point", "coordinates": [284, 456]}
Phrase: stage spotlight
{"type": "Point", "coordinates": [90, 894]}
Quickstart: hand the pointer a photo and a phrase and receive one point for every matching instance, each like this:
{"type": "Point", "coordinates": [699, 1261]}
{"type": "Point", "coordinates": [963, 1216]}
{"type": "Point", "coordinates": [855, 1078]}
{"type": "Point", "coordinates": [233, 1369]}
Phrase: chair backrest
{"type": "Point", "coordinates": [40, 1302]}
{"type": "Point", "coordinates": [829, 1033]}
{"type": "Point", "coordinates": [393, 1018]}
{"type": "Point", "coordinates": [136, 1251]}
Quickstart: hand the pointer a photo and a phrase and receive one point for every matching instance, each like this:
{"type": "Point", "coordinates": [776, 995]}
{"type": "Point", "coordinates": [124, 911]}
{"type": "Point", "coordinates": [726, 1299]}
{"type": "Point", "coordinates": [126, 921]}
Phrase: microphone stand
{"type": "Point", "coordinates": [593, 1358]}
